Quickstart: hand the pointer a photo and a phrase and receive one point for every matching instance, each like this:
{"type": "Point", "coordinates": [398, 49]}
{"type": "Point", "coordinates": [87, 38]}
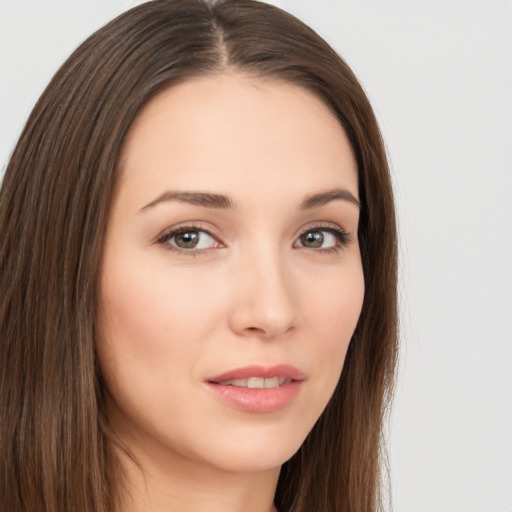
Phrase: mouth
{"type": "Point", "coordinates": [258, 388]}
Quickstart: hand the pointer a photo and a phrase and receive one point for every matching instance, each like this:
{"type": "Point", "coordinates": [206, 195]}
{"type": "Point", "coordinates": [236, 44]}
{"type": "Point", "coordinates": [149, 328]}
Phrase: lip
{"type": "Point", "coordinates": [258, 400]}
{"type": "Point", "coordinates": [265, 372]}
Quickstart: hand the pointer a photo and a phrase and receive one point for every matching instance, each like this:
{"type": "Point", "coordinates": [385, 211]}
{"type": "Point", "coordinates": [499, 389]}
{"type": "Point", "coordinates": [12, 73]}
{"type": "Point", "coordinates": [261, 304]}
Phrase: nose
{"type": "Point", "coordinates": [264, 302]}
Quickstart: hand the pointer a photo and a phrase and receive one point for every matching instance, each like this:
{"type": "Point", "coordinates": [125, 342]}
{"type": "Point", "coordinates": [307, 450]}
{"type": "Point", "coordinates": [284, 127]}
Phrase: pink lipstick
{"type": "Point", "coordinates": [258, 388]}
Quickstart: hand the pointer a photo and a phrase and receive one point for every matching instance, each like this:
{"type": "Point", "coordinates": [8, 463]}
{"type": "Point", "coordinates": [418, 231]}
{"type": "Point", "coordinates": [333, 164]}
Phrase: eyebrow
{"type": "Point", "coordinates": [220, 201]}
{"type": "Point", "coordinates": [323, 198]}
{"type": "Point", "coordinates": [207, 200]}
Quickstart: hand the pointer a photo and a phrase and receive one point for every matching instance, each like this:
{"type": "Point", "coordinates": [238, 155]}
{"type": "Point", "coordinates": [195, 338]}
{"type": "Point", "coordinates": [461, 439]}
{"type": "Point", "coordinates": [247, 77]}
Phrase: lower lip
{"type": "Point", "coordinates": [257, 400]}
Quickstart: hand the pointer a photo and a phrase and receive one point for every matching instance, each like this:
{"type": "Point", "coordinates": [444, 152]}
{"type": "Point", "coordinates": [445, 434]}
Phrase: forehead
{"type": "Point", "coordinates": [233, 133]}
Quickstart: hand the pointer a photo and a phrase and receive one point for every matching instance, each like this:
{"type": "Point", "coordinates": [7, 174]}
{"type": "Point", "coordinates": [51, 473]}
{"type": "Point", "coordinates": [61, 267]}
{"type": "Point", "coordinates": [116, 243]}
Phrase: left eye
{"type": "Point", "coordinates": [191, 239]}
{"type": "Point", "coordinates": [321, 239]}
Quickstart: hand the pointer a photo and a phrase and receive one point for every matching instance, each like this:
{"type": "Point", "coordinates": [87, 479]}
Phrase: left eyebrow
{"type": "Point", "coordinates": [323, 198]}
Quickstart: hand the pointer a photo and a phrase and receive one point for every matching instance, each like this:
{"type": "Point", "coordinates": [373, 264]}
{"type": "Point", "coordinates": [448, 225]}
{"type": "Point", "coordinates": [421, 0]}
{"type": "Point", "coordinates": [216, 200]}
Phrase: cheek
{"type": "Point", "coordinates": [336, 303]}
{"type": "Point", "coordinates": [334, 310]}
{"type": "Point", "coordinates": [151, 304]}
{"type": "Point", "coordinates": [148, 327]}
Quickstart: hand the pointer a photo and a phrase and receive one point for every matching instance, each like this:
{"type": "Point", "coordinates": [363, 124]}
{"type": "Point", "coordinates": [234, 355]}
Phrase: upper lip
{"type": "Point", "coordinates": [266, 372]}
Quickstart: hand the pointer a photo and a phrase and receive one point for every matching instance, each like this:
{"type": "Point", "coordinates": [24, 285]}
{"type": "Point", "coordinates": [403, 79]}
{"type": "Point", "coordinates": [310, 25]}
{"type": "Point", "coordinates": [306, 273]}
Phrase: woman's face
{"type": "Point", "coordinates": [231, 281]}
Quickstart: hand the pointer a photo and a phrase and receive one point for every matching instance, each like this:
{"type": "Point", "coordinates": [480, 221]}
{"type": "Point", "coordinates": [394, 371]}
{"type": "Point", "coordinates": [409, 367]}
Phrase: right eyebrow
{"type": "Point", "coordinates": [208, 200]}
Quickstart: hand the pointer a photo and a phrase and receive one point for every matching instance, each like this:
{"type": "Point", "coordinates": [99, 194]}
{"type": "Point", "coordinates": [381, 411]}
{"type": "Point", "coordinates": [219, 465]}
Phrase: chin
{"type": "Point", "coordinates": [250, 461]}
{"type": "Point", "coordinates": [252, 450]}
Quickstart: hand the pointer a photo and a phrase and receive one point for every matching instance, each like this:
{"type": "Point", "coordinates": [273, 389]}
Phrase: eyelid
{"type": "Point", "coordinates": [168, 233]}
{"type": "Point", "coordinates": [342, 236]}
{"type": "Point", "coordinates": [323, 226]}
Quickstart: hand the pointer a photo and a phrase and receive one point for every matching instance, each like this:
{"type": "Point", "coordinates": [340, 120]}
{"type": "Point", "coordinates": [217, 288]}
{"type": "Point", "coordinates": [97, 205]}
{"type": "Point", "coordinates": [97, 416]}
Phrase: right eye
{"type": "Point", "coordinates": [188, 239]}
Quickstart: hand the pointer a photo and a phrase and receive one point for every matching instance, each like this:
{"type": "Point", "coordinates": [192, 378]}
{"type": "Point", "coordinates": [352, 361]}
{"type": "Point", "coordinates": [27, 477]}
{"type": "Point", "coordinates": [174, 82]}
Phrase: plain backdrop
{"type": "Point", "coordinates": [439, 75]}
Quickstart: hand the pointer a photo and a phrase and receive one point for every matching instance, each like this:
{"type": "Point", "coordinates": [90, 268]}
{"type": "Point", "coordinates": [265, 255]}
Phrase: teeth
{"type": "Point", "coordinates": [271, 383]}
{"type": "Point", "coordinates": [257, 382]}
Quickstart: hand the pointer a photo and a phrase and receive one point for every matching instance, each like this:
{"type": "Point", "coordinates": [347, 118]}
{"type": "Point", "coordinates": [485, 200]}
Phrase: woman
{"type": "Point", "coordinates": [198, 257]}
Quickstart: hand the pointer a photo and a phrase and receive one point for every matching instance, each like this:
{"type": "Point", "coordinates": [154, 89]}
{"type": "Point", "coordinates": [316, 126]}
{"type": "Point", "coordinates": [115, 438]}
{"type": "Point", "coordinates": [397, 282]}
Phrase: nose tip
{"type": "Point", "coordinates": [264, 304]}
{"type": "Point", "coordinates": [268, 325]}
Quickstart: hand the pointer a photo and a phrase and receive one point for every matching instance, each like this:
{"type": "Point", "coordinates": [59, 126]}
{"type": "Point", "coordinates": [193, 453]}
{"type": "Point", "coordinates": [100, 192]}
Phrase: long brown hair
{"type": "Point", "coordinates": [55, 453]}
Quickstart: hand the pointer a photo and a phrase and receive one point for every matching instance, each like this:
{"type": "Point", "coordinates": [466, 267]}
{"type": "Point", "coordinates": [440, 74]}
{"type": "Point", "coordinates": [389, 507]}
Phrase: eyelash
{"type": "Point", "coordinates": [164, 238]}
{"type": "Point", "coordinates": [342, 238]}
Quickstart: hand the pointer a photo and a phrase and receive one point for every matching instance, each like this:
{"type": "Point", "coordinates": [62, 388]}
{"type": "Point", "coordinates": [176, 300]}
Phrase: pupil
{"type": "Point", "coordinates": [313, 239]}
{"type": "Point", "coordinates": [187, 240]}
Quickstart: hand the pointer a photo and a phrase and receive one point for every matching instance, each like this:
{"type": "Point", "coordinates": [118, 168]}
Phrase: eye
{"type": "Point", "coordinates": [188, 239]}
{"type": "Point", "coordinates": [326, 239]}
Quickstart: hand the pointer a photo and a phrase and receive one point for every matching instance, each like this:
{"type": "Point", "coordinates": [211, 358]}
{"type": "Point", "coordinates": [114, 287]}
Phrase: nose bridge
{"type": "Point", "coordinates": [264, 301]}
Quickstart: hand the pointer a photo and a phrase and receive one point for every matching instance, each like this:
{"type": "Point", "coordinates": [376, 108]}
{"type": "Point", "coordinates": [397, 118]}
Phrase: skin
{"type": "Point", "coordinates": [256, 292]}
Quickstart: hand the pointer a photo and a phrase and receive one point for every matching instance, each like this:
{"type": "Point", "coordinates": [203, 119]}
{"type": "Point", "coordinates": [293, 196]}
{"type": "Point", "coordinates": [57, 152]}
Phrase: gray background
{"type": "Point", "coordinates": [439, 74]}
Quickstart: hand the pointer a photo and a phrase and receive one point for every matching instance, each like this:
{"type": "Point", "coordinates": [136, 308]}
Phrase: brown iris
{"type": "Point", "coordinates": [187, 239]}
{"type": "Point", "coordinates": [312, 239]}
